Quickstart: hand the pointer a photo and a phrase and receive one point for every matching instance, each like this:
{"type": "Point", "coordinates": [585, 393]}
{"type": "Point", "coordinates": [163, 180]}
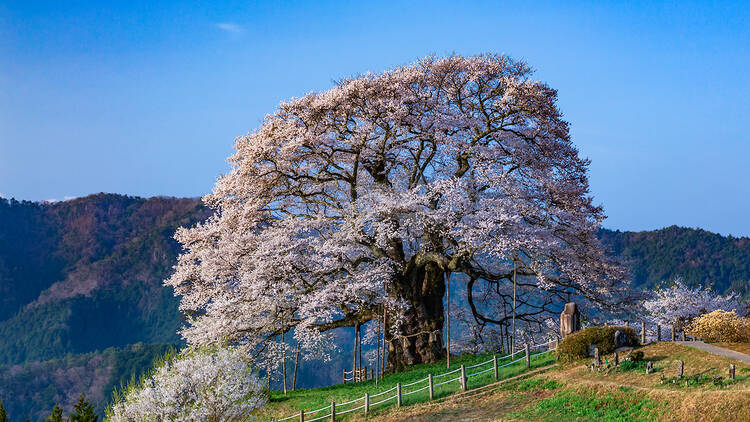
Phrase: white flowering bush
{"type": "Point", "coordinates": [216, 384]}
{"type": "Point", "coordinates": [679, 304]}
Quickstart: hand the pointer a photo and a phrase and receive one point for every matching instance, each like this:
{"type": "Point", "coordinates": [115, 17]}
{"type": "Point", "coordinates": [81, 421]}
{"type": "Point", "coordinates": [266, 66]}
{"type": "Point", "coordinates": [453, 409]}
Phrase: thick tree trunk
{"type": "Point", "coordinates": [421, 340]}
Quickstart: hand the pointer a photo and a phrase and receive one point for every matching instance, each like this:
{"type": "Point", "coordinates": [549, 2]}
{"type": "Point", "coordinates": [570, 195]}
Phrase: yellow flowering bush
{"type": "Point", "coordinates": [720, 325]}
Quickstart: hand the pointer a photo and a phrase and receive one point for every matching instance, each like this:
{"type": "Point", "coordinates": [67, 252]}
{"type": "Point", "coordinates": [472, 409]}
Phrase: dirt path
{"type": "Point", "coordinates": [716, 350]}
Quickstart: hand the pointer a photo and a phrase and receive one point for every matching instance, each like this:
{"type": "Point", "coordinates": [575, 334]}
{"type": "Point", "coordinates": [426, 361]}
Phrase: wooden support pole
{"type": "Point", "coordinates": [683, 335]}
{"type": "Point", "coordinates": [494, 366]}
{"type": "Point", "coordinates": [398, 394]}
{"type": "Point", "coordinates": [658, 332]}
{"type": "Point", "coordinates": [283, 360]}
{"type": "Point", "coordinates": [643, 332]}
{"type": "Point", "coordinates": [673, 336]}
{"type": "Point", "coordinates": [463, 377]}
{"type": "Point", "coordinates": [617, 358]}
{"type": "Point", "coordinates": [302, 415]}
{"type": "Point", "coordinates": [430, 385]}
{"type": "Point", "coordinates": [447, 321]}
{"type": "Point", "coordinates": [597, 357]}
{"type": "Point", "coordinates": [343, 375]}
{"type": "Point", "coordinates": [731, 371]}
{"type": "Point", "coordinates": [367, 403]}
{"type": "Point", "coordinates": [528, 356]}
{"type": "Point", "coordinates": [680, 368]}
{"type": "Point", "coordinates": [333, 411]}
{"type": "Point", "coordinates": [296, 364]}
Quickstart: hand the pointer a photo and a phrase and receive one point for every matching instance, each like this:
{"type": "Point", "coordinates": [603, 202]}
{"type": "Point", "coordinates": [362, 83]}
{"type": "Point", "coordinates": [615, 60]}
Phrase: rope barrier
{"type": "Point", "coordinates": [414, 383]}
{"type": "Point", "coordinates": [416, 391]}
{"type": "Point", "coordinates": [382, 401]}
{"type": "Point", "coordinates": [446, 382]}
{"type": "Point", "coordinates": [480, 372]}
{"type": "Point", "coordinates": [349, 402]}
{"type": "Point", "coordinates": [479, 364]}
{"type": "Point", "coordinates": [447, 373]}
{"type": "Point", "coordinates": [350, 410]}
{"type": "Point", "coordinates": [382, 392]}
{"type": "Point", "coordinates": [319, 418]}
{"type": "Point", "coordinates": [316, 411]}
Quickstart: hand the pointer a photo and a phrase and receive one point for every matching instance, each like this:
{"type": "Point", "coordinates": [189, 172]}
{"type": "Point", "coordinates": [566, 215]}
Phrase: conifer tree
{"type": "Point", "coordinates": [83, 411]}
{"type": "Point", "coordinates": [3, 414]}
{"type": "Point", "coordinates": [56, 415]}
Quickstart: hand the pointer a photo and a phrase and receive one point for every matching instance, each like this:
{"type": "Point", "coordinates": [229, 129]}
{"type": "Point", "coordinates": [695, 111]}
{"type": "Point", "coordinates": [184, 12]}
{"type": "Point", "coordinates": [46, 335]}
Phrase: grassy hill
{"type": "Point", "coordinates": [572, 392]}
{"type": "Point", "coordinates": [84, 276]}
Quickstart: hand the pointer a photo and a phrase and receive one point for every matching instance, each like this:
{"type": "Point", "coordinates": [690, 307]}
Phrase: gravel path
{"type": "Point", "coordinates": [716, 350]}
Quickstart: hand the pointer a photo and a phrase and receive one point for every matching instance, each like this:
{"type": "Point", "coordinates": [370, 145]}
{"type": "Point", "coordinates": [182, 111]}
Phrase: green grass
{"type": "Point", "coordinates": [312, 399]}
{"type": "Point", "coordinates": [538, 383]}
{"type": "Point", "coordinates": [584, 405]}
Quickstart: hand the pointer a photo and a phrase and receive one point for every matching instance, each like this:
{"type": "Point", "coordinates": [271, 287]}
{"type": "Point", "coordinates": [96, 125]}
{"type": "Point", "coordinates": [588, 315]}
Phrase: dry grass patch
{"type": "Point", "coordinates": [664, 357]}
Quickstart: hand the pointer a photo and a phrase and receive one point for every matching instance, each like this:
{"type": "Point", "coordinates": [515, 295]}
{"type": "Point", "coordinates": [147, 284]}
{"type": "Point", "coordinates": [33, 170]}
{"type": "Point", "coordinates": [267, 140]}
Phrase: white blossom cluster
{"type": "Point", "coordinates": [382, 184]}
{"type": "Point", "coordinates": [678, 304]}
{"type": "Point", "coordinates": [216, 384]}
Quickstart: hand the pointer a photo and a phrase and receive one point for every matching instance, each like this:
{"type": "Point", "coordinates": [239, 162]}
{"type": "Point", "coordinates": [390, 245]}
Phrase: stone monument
{"type": "Point", "coordinates": [570, 319]}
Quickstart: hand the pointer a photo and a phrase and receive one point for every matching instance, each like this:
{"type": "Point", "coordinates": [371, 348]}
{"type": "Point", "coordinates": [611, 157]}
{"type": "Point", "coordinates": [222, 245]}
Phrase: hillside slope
{"type": "Point", "coordinates": [81, 276]}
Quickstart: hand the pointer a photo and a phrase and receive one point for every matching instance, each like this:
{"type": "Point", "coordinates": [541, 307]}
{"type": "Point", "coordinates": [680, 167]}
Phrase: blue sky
{"type": "Point", "coordinates": [145, 98]}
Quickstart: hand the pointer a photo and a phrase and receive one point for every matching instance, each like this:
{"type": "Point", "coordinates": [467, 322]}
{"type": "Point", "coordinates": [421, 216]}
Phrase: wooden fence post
{"type": "Point", "coordinates": [658, 332]}
{"type": "Point", "coordinates": [643, 332]}
{"type": "Point", "coordinates": [597, 357]}
{"type": "Point", "coordinates": [343, 376]}
{"type": "Point", "coordinates": [673, 337]}
{"type": "Point", "coordinates": [617, 359]}
{"type": "Point", "coordinates": [680, 368]}
{"type": "Point", "coordinates": [430, 385]}
{"type": "Point", "coordinates": [463, 377]}
{"type": "Point", "coordinates": [302, 415]}
{"type": "Point", "coordinates": [731, 371]}
{"type": "Point", "coordinates": [528, 357]}
{"type": "Point", "coordinates": [398, 394]}
{"type": "Point", "coordinates": [683, 335]}
{"type": "Point", "coordinates": [333, 411]}
{"type": "Point", "coordinates": [494, 366]}
{"type": "Point", "coordinates": [367, 403]}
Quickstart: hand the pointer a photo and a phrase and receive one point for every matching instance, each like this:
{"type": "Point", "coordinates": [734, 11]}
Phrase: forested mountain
{"type": "Point", "coordinates": [82, 305]}
{"type": "Point", "coordinates": [697, 256]}
{"type": "Point", "coordinates": [76, 278]}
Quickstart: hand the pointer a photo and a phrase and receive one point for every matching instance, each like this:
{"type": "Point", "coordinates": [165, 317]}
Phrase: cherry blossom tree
{"type": "Point", "coordinates": [363, 198]}
{"type": "Point", "coordinates": [216, 384]}
{"type": "Point", "coordinates": [679, 304]}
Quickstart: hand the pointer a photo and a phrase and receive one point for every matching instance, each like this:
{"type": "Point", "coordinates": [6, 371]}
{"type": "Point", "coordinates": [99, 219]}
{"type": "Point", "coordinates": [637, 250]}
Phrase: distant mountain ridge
{"type": "Point", "coordinates": [82, 305]}
{"type": "Point", "coordinates": [697, 256]}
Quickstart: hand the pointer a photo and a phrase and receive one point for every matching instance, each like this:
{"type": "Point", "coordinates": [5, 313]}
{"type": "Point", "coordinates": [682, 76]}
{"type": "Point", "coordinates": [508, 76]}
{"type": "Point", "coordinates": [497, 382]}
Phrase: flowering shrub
{"type": "Point", "coordinates": [197, 384]}
{"type": "Point", "coordinates": [720, 325]}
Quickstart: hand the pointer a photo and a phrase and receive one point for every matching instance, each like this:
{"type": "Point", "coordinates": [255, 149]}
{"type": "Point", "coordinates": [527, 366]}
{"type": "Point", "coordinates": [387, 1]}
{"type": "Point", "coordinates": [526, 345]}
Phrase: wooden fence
{"type": "Point", "coordinates": [395, 394]}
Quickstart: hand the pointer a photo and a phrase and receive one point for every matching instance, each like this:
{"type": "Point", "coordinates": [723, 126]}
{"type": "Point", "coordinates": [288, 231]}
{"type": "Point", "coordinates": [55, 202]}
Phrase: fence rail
{"type": "Point", "coordinates": [336, 409]}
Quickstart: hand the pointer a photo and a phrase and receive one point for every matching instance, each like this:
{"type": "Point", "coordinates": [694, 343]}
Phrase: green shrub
{"type": "Point", "coordinates": [632, 365]}
{"type": "Point", "coordinates": [576, 345]}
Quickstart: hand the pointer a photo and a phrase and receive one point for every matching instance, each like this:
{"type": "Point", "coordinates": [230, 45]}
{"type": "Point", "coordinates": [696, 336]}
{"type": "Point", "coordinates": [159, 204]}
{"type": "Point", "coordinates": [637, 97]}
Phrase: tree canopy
{"type": "Point", "coordinates": [369, 195]}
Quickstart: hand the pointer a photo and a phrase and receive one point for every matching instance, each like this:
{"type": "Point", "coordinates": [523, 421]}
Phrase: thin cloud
{"type": "Point", "coordinates": [229, 27]}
